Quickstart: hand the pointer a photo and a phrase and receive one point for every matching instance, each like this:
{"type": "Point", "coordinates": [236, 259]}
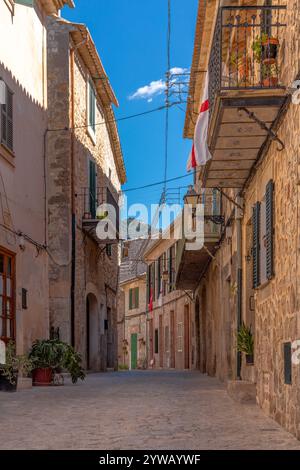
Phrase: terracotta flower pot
{"type": "Point", "coordinates": [42, 377]}
{"type": "Point", "coordinates": [269, 50]}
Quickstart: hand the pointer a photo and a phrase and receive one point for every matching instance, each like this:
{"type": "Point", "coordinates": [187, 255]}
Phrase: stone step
{"type": "Point", "coordinates": [242, 391]}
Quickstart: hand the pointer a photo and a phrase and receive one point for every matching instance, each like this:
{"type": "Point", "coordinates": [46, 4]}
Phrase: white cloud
{"type": "Point", "coordinates": [157, 87]}
{"type": "Point", "coordinates": [148, 91]}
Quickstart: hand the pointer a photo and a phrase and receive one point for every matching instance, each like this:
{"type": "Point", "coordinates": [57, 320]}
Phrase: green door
{"type": "Point", "coordinates": [134, 351]}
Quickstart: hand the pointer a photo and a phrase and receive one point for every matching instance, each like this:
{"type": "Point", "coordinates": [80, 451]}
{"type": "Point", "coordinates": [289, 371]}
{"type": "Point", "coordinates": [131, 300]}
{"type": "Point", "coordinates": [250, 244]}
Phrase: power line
{"type": "Point", "coordinates": [124, 118]}
{"type": "Point", "coordinates": [159, 182]}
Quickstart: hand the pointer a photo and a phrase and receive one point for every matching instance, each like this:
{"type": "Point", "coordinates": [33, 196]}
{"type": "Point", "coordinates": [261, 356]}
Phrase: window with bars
{"type": "Point", "coordinates": [7, 308]}
{"type": "Point", "coordinates": [7, 120]}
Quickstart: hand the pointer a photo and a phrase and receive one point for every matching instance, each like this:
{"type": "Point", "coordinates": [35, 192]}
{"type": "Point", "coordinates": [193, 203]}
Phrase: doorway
{"type": "Point", "coordinates": [203, 327]}
{"type": "Point", "coordinates": [197, 332]}
{"type": "Point", "coordinates": [133, 349]}
{"type": "Point", "coordinates": [186, 337]}
{"type": "Point", "coordinates": [92, 334]}
{"type": "Point", "coordinates": [172, 339]}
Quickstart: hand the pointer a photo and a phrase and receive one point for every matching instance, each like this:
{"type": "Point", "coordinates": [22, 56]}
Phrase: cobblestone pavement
{"type": "Point", "coordinates": [136, 410]}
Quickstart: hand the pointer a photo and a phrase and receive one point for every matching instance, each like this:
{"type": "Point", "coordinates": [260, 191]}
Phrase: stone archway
{"type": "Point", "coordinates": [92, 333]}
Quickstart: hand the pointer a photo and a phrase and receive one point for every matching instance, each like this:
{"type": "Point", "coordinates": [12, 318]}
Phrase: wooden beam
{"type": "Point", "coordinates": [249, 142]}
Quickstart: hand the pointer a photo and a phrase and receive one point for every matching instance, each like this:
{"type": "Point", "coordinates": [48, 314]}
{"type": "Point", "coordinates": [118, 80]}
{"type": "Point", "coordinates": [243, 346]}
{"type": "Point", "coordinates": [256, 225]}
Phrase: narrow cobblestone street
{"type": "Point", "coordinates": [136, 410]}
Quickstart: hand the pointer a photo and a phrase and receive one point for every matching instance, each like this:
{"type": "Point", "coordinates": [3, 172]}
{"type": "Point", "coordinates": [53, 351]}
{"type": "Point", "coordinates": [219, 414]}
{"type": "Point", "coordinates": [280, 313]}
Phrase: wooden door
{"type": "Point", "coordinates": [161, 342]}
{"type": "Point", "coordinates": [186, 337]}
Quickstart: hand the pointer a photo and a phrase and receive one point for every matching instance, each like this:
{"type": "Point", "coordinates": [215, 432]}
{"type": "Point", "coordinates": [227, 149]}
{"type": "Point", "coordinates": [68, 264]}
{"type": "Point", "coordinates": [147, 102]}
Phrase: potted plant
{"type": "Point", "coordinates": [53, 355]}
{"type": "Point", "coordinates": [245, 343]}
{"type": "Point", "coordinates": [265, 49]}
{"type": "Point", "coordinates": [14, 365]}
{"type": "Point", "coordinates": [269, 74]}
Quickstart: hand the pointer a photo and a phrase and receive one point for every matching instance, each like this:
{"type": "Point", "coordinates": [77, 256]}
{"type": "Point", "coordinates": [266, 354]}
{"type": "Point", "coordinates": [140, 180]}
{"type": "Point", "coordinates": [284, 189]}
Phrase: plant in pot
{"type": "Point", "coordinates": [245, 343]}
{"type": "Point", "coordinates": [265, 49]}
{"type": "Point", "coordinates": [53, 355]}
{"type": "Point", "coordinates": [14, 365]}
{"type": "Point", "coordinates": [269, 75]}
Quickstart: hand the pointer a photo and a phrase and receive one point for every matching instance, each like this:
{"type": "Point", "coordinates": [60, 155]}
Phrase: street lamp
{"type": "Point", "coordinates": [191, 198]}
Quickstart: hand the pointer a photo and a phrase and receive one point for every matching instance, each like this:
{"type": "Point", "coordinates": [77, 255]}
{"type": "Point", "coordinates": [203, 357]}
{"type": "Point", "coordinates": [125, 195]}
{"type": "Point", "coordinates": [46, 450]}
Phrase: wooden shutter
{"type": "Point", "coordinates": [287, 352]}
{"type": "Point", "coordinates": [148, 285]}
{"type": "Point", "coordinates": [256, 244]}
{"type": "Point", "coordinates": [270, 229]}
{"type": "Point", "coordinates": [130, 299]}
{"type": "Point", "coordinates": [136, 297]}
{"type": "Point", "coordinates": [92, 189]}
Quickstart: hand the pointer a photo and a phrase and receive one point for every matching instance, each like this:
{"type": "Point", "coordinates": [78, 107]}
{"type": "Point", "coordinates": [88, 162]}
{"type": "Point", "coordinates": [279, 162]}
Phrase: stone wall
{"type": "Point", "coordinates": [273, 308]}
{"type": "Point", "coordinates": [96, 270]}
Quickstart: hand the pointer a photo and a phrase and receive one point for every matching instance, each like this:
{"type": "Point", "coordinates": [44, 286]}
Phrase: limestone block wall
{"type": "Point", "coordinates": [96, 269]}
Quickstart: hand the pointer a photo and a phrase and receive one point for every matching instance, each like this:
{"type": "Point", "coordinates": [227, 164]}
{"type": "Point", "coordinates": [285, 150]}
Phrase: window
{"type": "Point", "coordinates": [7, 120]}
{"type": "Point", "coordinates": [156, 342]}
{"type": "Point", "coordinates": [167, 339]}
{"type": "Point", "coordinates": [151, 283]}
{"type": "Point", "coordinates": [180, 337]}
{"type": "Point", "coordinates": [125, 251]}
{"type": "Point", "coordinates": [287, 352]}
{"type": "Point", "coordinates": [133, 298]}
{"type": "Point", "coordinates": [158, 277]}
{"type": "Point", "coordinates": [171, 268]}
{"type": "Point", "coordinates": [263, 238]}
{"type": "Point", "coordinates": [109, 250]}
{"type": "Point", "coordinates": [7, 308]}
{"type": "Point", "coordinates": [91, 108]}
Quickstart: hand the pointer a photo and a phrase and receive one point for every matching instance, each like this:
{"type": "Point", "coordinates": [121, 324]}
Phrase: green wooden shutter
{"type": "Point", "coordinates": [26, 3]}
{"type": "Point", "coordinates": [270, 229]}
{"type": "Point", "coordinates": [92, 107]}
{"type": "Point", "coordinates": [92, 189]}
{"type": "Point", "coordinates": [148, 285]}
{"type": "Point", "coordinates": [130, 299]}
{"type": "Point", "coordinates": [136, 297]}
{"type": "Point", "coordinates": [256, 245]}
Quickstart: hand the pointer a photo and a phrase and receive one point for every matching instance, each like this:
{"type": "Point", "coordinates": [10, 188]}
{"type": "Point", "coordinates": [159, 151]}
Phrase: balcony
{"type": "Point", "coordinates": [192, 264]}
{"type": "Point", "coordinates": [92, 199]}
{"type": "Point", "coordinates": [246, 93]}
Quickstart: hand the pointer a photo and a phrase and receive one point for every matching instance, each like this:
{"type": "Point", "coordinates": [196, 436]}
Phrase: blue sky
{"type": "Point", "coordinates": [131, 39]}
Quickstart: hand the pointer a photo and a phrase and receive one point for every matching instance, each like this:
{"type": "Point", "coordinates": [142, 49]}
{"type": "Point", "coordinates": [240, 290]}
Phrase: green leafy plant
{"type": "Point", "coordinates": [15, 364]}
{"type": "Point", "coordinates": [257, 46]}
{"type": "Point", "coordinates": [123, 367]}
{"type": "Point", "coordinates": [245, 340]}
{"type": "Point", "coordinates": [57, 355]}
{"type": "Point", "coordinates": [269, 70]}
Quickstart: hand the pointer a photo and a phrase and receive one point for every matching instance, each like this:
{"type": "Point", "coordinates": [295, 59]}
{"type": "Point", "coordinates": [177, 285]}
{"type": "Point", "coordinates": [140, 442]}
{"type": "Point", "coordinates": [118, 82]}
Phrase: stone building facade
{"type": "Point", "coordinates": [132, 309]}
{"type": "Point", "coordinates": [253, 275]}
{"type": "Point", "coordinates": [85, 169]}
{"type": "Point", "coordinates": [24, 291]}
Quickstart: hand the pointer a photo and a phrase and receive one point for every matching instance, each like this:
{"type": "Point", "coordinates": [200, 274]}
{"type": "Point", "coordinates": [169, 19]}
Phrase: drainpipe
{"type": "Point", "coordinates": [73, 205]}
{"type": "Point", "coordinates": [239, 277]}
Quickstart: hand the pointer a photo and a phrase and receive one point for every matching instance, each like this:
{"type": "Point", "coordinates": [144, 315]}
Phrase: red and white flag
{"type": "Point", "coordinates": [150, 305]}
{"type": "Point", "coordinates": [200, 153]}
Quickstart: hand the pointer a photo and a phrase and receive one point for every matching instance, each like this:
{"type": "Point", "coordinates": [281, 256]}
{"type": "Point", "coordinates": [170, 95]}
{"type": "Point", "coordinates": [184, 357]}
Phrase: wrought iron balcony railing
{"type": "Point", "coordinates": [246, 50]}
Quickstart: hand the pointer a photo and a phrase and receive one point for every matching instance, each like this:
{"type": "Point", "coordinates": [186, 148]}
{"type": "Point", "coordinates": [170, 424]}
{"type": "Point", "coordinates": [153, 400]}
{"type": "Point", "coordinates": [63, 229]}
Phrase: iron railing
{"type": "Point", "coordinates": [93, 198]}
{"type": "Point", "coordinates": [246, 52]}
